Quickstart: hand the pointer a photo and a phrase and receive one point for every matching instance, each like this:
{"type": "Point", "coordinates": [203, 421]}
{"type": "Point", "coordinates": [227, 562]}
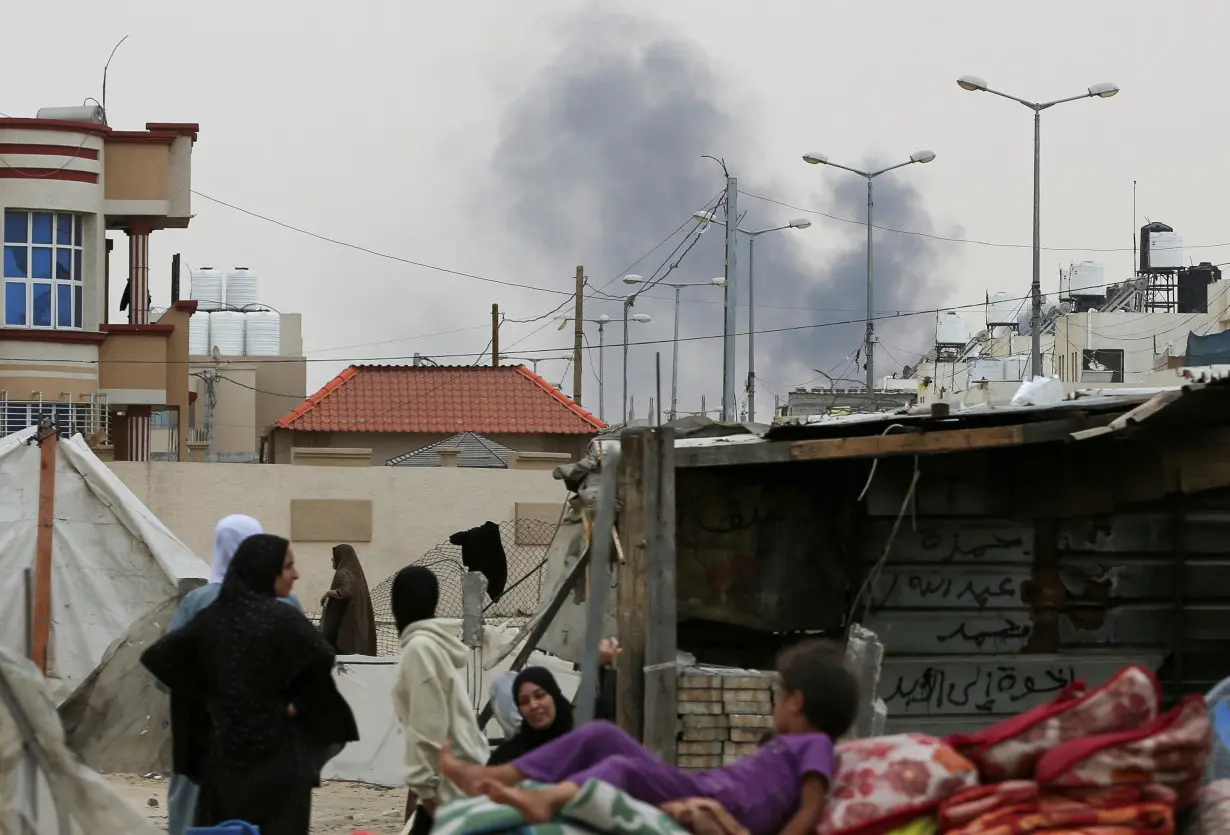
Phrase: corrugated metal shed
{"type": "Point", "coordinates": [474, 451]}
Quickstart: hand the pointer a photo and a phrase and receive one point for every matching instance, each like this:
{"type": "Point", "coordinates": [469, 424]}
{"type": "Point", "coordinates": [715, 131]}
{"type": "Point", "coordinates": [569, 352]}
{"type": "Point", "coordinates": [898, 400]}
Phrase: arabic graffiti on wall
{"type": "Point", "coordinates": [956, 543]}
{"type": "Point", "coordinates": [976, 688]}
{"type": "Point", "coordinates": [947, 589]}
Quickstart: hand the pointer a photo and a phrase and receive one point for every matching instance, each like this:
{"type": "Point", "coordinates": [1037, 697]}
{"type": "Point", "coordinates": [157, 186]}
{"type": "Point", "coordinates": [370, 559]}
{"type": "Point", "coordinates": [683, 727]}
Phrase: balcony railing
{"type": "Point", "coordinates": [89, 418]}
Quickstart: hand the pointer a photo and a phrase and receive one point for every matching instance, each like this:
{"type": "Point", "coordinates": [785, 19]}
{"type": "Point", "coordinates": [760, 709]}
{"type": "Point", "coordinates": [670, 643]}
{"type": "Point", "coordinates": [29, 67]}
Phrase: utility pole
{"type": "Point", "coordinates": [495, 336]}
{"type": "Point", "coordinates": [731, 306]}
{"type": "Point", "coordinates": [578, 337]}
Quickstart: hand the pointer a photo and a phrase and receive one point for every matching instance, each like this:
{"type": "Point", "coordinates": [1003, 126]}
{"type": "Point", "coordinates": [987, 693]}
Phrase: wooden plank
{"type": "Point", "coordinates": [42, 547]}
{"type": "Point", "coordinates": [929, 443]}
{"type": "Point", "coordinates": [735, 454]}
{"type": "Point", "coordinates": [629, 683]}
{"type": "Point", "coordinates": [661, 682]}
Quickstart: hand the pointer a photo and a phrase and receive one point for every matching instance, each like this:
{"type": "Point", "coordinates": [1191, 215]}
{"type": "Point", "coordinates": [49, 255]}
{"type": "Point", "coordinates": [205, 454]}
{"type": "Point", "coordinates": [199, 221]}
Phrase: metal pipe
{"type": "Point", "coordinates": [870, 338]}
{"type": "Point", "coordinates": [751, 332]}
{"type": "Point", "coordinates": [675, 359]}
{"type": "Point", "coordinates": [731, 321]}
{"type": "Point", "coordinates": [601, 370]}
{"type": "Point", "coordinates": [627, 305]}
{"type": "Point", "coordinates": [1035, 352]}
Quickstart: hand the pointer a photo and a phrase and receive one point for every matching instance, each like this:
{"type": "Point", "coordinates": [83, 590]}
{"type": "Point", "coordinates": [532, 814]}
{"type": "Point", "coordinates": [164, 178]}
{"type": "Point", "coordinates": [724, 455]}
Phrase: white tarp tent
{"type": "Point", "coordinates": [113, 561]}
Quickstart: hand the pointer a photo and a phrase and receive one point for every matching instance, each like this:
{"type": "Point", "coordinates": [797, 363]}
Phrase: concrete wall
{"type": "Point", "coordinates": [386, 445]}
{"type": "Point", "coordinates": [412, 509]}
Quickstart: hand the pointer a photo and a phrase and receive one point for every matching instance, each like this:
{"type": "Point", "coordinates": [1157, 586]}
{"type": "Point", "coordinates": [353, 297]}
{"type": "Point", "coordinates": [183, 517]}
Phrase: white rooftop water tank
{"type": "Point", "coordinates": [240, 288]}
{"type": "Point", "coordinates": [226, 332]}
{"type": "Point", "coordinates": [1001, 308]}
{"type": "Point", "coordinates": [207, 288]}
{"type": "Point", "coordinates": [198, 335]}
{"type": "Point", "coordinates": [263, 334]}
{"type": "Point", "coordinates": [951, 329]}
{"type": "Point", "coordinates": [1165, 250]}
{"type": "Point", "coordinates": [1086, 279]}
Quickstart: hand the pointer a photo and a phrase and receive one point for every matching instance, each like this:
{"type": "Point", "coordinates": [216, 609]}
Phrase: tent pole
{"type": "Point", "coordinates": [47, 441]}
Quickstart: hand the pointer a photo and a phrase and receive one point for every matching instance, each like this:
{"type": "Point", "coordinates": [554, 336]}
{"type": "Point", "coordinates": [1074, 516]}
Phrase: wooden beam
{"type": "Point", "coordinates": [661, 674]}
{"type": "Point", "coordinates": [725, 455]}
{"type": "Point", "coordinates": [938, 441]}
{"type": "Point", "coordinates": [48, 439]}
{"type": "Point", "coordinates": [634, 444]}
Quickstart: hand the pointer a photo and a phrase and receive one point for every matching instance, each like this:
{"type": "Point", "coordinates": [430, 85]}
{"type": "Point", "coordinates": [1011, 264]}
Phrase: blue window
{"type": "Point", "coordinates": [15, 303]}
{"type": "Point", "coordinates": [42, 269]}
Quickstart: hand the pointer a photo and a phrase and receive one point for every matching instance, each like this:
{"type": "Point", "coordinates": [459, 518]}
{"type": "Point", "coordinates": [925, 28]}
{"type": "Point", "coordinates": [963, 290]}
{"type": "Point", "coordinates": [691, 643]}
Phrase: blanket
{"type": "Point", "coordinates": [1018, 807]}
{"type": "Point", "coordinates": [598, 807]}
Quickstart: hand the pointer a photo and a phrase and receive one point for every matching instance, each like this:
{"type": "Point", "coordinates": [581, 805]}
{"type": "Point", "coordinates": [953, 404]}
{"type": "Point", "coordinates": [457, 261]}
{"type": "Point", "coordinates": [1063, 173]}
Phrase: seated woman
{"type": "Point", "coordinates": [783, 787]}
{"type": "Point", "coordinates": [545, 713]}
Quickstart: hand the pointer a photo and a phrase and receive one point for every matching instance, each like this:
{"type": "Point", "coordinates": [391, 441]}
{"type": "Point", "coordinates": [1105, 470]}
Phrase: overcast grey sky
{"type": "Point", "coordinates": [515, 141]}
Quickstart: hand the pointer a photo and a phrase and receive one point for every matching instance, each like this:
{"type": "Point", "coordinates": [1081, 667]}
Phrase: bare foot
{"type": "Point", "coordinates": [464, 775]}
{"type": "Point", "coordinates": [535, 805]}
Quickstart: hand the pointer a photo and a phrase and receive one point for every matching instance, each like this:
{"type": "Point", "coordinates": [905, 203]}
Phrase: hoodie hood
{"type": "Point", "coordinates": [442, 634]}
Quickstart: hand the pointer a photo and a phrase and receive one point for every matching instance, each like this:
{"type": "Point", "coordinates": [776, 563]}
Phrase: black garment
{"type": "Point", "coordinates": [423, 822]}
{"type": "Point", "coordinates": [234, 671]}
{"type": "Point", "coordinates": [527, 737]}
{"type": "Point", "coordinates": [414, 596]}
{"type": "Point", "coordinates": [483, 551]}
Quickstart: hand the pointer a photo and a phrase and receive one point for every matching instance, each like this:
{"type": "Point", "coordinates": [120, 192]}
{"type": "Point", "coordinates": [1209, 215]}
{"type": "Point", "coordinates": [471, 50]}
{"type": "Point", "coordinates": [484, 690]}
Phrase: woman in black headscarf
{"type": "Point", "coordinates": [253, 700]}
{"type": "Point", "coordinates": [545, 714]}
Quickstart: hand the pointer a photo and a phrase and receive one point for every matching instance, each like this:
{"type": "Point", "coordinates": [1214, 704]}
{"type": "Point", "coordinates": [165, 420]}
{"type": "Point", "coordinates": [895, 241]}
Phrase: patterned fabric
{"type": "Point", "coordinates": [598, 807]}
{"type": "Point", "coordinates": [1212, 810]}
{"type": "Point", "coordinates": [1010, 749]}
{"type": "Point", "coordinates": [1022, 806]}
{"type": "Point", "coordinates": [888, 781]}
{"type": "Point", "coordinates": [923, 826]}
{"type": "Point", "coordinates": [1172, 750]}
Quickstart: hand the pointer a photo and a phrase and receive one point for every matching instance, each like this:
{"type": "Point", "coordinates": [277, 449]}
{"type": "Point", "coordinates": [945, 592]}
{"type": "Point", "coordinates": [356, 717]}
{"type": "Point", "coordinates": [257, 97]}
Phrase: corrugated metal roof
{"type": "Point", "coordinates": [474, 451]}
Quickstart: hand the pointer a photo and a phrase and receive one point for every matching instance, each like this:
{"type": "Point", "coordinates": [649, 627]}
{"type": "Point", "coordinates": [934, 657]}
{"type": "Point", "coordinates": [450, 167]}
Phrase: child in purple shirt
{"type": "Point", "coordinates": [782, 788]}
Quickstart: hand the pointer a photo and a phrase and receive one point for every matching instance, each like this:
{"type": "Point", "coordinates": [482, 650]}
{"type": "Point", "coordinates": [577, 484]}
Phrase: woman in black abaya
{"type": "Point", "coordinates": [253, 702]}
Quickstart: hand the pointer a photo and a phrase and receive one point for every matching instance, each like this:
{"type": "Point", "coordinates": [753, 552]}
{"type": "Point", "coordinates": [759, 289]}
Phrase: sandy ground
{"type": "Point", "coordinates": [337, 808]}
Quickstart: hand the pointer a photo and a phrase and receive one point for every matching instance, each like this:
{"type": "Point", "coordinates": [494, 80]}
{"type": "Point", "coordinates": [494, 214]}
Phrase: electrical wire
{"type": "Point", "coordinates": [970, 241]}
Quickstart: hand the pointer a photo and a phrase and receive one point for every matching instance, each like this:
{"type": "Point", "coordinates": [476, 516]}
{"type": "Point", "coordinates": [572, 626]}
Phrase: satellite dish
{"type": "Point", "coordinates": [1065, 308]}
{"type": "Point", "coordinates": [1140, 283]}
{"type": "Point", "coordinates": [907, 372]}
{"type": "Point", "coordinates": [983, 336]}
{"type": "Point", "coordinates": [931, 355]}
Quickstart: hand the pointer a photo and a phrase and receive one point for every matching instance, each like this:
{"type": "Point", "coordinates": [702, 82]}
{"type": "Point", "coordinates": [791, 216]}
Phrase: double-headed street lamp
{"type": "Point", "coordinates": [752, 235]}
{"type": "Point", "coordinates": [643, 318]}
{"type": "Point", "coordinates": [601, 322]}
{"type": "Point", "coordinates": [713, 282]}
{"type": "Point", "coordinates": [869, 344]}
{"type": "Point", "coordinates": [1101, 91]}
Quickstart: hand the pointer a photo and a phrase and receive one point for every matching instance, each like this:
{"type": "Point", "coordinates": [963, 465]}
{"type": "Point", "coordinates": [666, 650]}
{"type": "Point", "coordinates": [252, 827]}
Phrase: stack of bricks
{"type": "Point", "coordinates": [723, 713]}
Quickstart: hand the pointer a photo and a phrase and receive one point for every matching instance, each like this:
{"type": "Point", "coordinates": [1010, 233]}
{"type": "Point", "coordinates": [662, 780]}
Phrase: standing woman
{"type": "Point", "coordinates": [229, 533]}
{"type": "Point", "coordinates": [253, 696]}
{"type": "Point", "coordinates": [348, 623]}
{"type": "Point", "coordinates": [430, 694]}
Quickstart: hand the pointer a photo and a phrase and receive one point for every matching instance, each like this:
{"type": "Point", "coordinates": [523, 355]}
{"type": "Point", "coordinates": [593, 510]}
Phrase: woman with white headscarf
{"type": "Point", "coordinates": [228, 535]}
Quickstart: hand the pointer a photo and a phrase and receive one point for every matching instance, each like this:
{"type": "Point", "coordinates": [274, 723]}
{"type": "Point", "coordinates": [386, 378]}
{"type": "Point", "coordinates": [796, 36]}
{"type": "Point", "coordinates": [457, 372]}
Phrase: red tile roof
{"type": "Point", "coordinates": [440, 399]}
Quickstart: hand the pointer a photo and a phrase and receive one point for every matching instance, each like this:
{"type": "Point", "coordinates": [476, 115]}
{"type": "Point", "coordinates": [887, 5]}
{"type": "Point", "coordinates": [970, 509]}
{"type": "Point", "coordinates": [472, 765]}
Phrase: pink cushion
{"type": "Point", "coordinates": [1172, 750]}
{"type": "Point", "coordinates": [886, 782]}
{"type": "Point", "coordinates": [1010, 749]}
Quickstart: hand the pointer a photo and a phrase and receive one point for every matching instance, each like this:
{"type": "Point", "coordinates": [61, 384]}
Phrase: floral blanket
{"type": "Point", "coordinates": [1018, 807]}
{"type": "Point", "coordinates": [598, 807]}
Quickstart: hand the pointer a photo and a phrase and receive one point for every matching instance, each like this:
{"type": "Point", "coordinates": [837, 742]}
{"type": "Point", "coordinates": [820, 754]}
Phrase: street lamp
{"type": "Point", "coordinates": [642, 318]}
{"type": "Point", "coordinates": [1104, 90]}
{"type": "Point", "coordinates": [601, 322]}
{"type": "Point", "coordinates": [922, 157]}
{"type": "Point", "coordinates": [720, 281]}
{"type": "Point", "coordinates": [797, 223]}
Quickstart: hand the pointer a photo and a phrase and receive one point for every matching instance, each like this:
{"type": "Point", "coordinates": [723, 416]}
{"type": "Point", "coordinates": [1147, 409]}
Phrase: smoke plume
{"type": "Point", "coordinates": [602, 158]}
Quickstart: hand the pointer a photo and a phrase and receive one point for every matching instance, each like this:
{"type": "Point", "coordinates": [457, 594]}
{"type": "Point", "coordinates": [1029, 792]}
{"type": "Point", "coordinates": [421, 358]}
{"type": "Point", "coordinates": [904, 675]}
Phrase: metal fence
{"type": "Point", "coordinates": [87, 418]}
{"type": "Point", "coordinates": [526, 565]}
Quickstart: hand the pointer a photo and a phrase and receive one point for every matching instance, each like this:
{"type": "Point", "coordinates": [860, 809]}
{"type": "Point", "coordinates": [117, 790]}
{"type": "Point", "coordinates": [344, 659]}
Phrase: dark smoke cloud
{"type": "Point", "coordinates": [601, 159]}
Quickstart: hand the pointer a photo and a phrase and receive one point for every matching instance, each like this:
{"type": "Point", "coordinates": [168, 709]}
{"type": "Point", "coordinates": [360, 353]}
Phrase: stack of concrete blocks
{"type": "Point", "coordinates": [723, 714]}
{"type": "Point", "coordinates": [865, 657]}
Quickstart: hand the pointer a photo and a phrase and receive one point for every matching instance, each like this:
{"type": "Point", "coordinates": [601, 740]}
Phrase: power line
{"type": "Point", "coordinates": [955, 240]}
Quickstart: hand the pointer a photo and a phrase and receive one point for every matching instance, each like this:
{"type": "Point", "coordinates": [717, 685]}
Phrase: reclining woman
{"type": "Point", "coordinates": [782, 788]}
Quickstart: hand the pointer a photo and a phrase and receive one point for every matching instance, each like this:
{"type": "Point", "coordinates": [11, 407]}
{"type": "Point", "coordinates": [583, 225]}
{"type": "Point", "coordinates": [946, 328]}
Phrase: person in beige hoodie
{"type": "Point", "coordinates": [430, 695]}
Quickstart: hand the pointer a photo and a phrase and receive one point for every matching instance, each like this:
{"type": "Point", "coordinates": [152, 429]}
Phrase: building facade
{"type": "Point", "coordinates": [64, 186]}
